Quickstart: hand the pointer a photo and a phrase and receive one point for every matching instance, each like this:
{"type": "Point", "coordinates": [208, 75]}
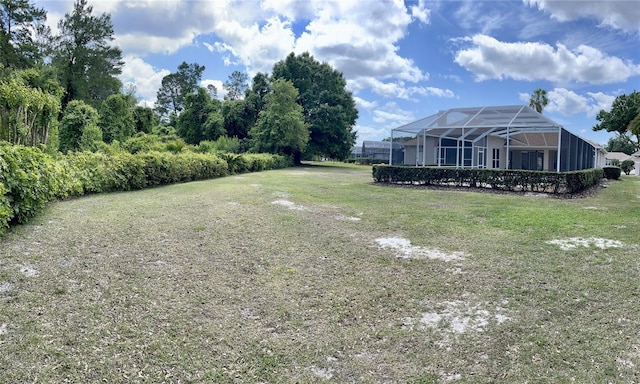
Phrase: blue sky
{"type": "Point", "coordinates": [403, 60]}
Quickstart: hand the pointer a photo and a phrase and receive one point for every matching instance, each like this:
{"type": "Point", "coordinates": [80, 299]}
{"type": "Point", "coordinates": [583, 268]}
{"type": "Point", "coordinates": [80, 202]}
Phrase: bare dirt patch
{"type": "Point", "coordinates": [405, 250]}
{"type": "Point", "coordinates": [288, 204]}
{"type": "Point", "coordinates": [29, 271]}
{"type": "Point", "coordinates": [575, 242]}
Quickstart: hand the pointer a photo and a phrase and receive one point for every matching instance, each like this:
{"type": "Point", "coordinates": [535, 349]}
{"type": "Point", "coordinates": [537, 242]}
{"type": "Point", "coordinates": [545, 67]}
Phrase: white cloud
{"type": "Point", "coordinates": [371, 133]}
{"type": "Point", "coordinates": [361, 41]}
{"type": "Point", "coordinates": [361, 103]}
{"type": "Point", "coordinates": [145, 77]}
{"type": "Point", "coordinates": [569, 103]}
{"type": "Point", "coordinates": [489, 58]}
{"type": "Point", "coordinates": [420, 12]}
{"type": "Point", "coordinates": [619, 14]}
{"type": "Point", "coordinates": [392, 115]}
{"type": "Point", "coordinates": [397, 89]}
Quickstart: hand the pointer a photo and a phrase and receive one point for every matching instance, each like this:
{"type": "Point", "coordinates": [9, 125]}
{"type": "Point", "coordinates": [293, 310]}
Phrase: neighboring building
{"type": "Point", "coordinates": [507, 137]}
{"type": "Point", "coordinates": [381, 150]}
{"type": "Point", "coordinates": [356, 152]}
{"type": "Point", "coordinates": [620, 156]}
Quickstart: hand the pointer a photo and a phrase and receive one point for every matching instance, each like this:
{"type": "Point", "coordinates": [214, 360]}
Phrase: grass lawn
{"type": "Point", "coordinates": [314, 274]}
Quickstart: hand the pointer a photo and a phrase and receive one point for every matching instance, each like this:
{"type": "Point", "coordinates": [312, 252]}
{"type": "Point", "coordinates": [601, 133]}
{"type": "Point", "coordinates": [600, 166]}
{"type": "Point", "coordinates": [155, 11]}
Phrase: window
{"type": "Point", "coordinates": [496, 158]}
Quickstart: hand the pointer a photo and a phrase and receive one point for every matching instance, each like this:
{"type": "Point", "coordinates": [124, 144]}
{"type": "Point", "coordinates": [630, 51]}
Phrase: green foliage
{"type": "Point", "coordinates": [78, 117]}
{"type": "Point", "coordinates": [176, 86]}
{"type": "Point", "coordinates": [26, 113]}
{"type": "Point", "coordinates": [224, 144]}
{"type": "Point", "coordinates": [623, 111]}
{"type": "Point", "coordinates": [144, 119]}
{"type": "Point", "coordinates": [612, 173]}
{"type": "Point", "coordinates": [329, 110]}
{"type": "Point", "coordinates": [144, 143]}
{"type": "Point", "coordinates": [366, 161]}
{"type": "Point", "coordinates": [86, 63]}
{"type": "Point", "coordinates": [237, 118]}
{"type": "Point", "coordinates": [539, 100]}
{"type": "Point", "coordinates": [627, 166]}
{"type": "Point", "coordinates": [497, 179]}
{"type": "Point", "coordinates": [91, 138]}
{"type": "Point", "coordinates": [201, 119]}
{"type": "Point", "coordinates": [30, 179]}
{"type": "Point", "coordinates": [18, 20]}
{"type": "Point", "coordinates": [280, 127]}
{"type": "Point", "coordinates": [620, 143]}
{"type": "Point", "coordinates": [116, 118]}
{"type": "Point", "coordinates": [236, 85]}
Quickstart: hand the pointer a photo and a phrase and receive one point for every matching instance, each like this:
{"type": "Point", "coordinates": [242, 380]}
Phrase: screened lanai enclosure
{"type": "Point", "coordinates": [507, 137]}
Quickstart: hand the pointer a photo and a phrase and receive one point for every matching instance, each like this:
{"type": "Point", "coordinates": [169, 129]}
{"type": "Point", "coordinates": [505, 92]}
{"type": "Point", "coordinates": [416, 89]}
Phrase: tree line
{"type": "Point", "coordinates": [62, 92]}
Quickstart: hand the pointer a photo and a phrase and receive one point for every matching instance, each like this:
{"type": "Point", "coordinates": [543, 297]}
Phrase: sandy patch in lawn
{"type": "Point", "coordinates": [288, 204]}
{"type": "Point", "coordinates": [575, 242]}
{"type": "Point", "coordinates": [348, 218]}
{"type": "Point", "coordinates": [451, 318]}
{"type": "Point", "coordinates": [405, 250]}
{"type": "Point", "coordinates": [593, 208]}
{"type": "Point", "coordinates": [5, 287]}
{"type": "Point", "coordinates": [323, 373]}
{"type": "Point", "coordinates": [29, 271]}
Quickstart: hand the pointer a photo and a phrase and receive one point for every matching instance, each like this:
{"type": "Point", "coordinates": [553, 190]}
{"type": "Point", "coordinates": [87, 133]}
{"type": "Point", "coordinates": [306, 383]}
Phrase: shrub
{"type": "Point", "coordinates": [612, 172]}
{"type": "Point", "coordinates": [30, 179]}
{"type": "Point", "coordinates": [500, 179]}
{"type": "Point", "coordinates": [627, 166]}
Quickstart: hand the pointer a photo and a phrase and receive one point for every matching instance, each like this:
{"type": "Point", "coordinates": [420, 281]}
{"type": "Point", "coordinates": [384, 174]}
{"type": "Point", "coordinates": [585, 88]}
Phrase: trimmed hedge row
{"type": "Point", "coordinates": [612, 172]}
{"type": "Point", "coordinates": [30, 178]}
{"type": "Point", "coordinates": [499, 179]}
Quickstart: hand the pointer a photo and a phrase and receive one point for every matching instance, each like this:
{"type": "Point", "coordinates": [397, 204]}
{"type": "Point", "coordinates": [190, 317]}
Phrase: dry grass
{"type": "Point", "coordinates": [279, 277]}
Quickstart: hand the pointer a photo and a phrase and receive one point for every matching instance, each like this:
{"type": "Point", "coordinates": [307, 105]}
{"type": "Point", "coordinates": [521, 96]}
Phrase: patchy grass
{"type": "Point", "coordinates": [280, 277]}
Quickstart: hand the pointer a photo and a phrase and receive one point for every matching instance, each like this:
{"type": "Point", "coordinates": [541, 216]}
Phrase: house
{"type": "Point", "coordinates": [620, 156]}
{"type": "Point", "coordinates": [382, 150]}
{"type": "Point", "coordinates": [506, 137]}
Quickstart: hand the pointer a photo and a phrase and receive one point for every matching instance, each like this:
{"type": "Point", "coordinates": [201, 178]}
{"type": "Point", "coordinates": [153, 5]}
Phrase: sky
{"type": "Point", "coordinates": [403, 60]}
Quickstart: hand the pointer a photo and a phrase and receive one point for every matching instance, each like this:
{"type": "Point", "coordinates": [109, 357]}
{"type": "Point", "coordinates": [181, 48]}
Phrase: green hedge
{"type": "Point", "coordinates": [366, 161]}
{"type": "Point", "coordinates": [30, 178]}
{"type": "Point", "coordinates": [499, 179]}
{"type": "Point", "coordinates": [612, 172]}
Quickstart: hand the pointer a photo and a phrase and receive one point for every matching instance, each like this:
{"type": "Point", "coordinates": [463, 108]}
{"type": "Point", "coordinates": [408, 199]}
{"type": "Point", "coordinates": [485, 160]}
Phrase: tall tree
{"type": "Point", "coordinates": [539, 100]}
{"type": "Point", "coordinates": [236, 118]}
{"type": "Point", "coordinates": [236, 85]}
{"type": "Point", "coordinates": [201, 119]}
{"type": "Point", "coordinates": [620, 143]}
{"type": "Point", "coordinates": [619, 120]}
{"type": "Point", "coordinates": [175, 87]}
{"type": "Point", "coordinates": [255, 98]}
{"type": "Point", "coordinates": [87, 63]}
{"type": "Point", "coordinates": [78, 117]}
{"type": "Point", "coordinates": [329, 109]}
{"type": "Point", "coordinates": [19, 21]}
{"type": "Point", "coordinates": [116, 118]}
{"type": "Point", "coordinates": [281, 128]}
{"type": "Point", "coordinates": [29, 106]}
{"type": "Point", "coordinates": [144, 118]}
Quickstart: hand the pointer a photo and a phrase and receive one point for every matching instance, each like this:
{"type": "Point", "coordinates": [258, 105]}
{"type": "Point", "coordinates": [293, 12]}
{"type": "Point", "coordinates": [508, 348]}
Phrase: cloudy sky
{"type": "Point", "coordinates": [403, 60]}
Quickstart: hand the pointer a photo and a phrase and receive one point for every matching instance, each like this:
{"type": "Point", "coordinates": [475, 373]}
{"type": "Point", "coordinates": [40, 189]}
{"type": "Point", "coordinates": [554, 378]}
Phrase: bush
{"type": "Point", "coordinates": [30, 178]}
{"type": "Point", "coordinates": [612, 172]}
{"type": "Point", "coordinates": [499, 179]}
{"type": "Point", "coordinates": [627, 166]}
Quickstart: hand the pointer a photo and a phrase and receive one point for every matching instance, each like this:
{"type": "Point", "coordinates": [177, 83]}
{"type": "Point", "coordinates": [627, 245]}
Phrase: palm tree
{"type": "Point", "coordinates": [539, 100]}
